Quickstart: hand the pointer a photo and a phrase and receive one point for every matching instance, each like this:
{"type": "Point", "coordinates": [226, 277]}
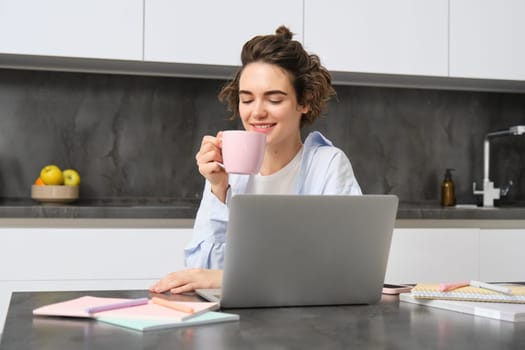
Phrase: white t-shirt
{"type": "Point", "coordinates": [281, 182]}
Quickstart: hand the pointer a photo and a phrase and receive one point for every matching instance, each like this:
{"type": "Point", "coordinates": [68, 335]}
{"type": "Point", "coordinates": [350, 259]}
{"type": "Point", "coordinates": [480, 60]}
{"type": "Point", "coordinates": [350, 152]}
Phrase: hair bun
{"type": "Point", "coordinates": [284, 32]}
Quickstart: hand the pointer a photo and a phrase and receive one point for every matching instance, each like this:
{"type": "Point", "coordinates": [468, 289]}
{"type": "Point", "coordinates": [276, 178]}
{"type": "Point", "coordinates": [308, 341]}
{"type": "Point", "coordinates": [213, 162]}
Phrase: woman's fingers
{"type": "Point", "coordinates": [172, 280]}
{"type": "Point", "coordinates": [209, 152]}
{"type": "Point", "coordinates": [188, 280]}
{"type": "Point", "coordinates": [210, 142]}
{"type": "Point", "coordinates": [183, 289]}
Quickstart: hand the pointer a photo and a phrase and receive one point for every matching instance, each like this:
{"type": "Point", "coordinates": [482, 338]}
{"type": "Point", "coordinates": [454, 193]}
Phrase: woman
{"type": "Point", "coordinates": [279, 88]}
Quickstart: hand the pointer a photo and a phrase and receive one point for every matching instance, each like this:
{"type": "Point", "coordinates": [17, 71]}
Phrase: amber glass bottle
{"type": "Point", "coordinates": [448, 197]}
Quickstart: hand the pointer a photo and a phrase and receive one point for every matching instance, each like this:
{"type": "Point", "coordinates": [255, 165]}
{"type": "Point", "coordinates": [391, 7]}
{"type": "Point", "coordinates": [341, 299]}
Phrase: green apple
{"type": "Point", "coordinates": [71, 177]}
{"type": "Point", "coordinates": [52, 175]}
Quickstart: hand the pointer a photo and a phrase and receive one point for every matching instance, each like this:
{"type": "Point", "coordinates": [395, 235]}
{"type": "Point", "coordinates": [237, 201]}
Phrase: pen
{"type": "Point", "coordinates": [491, 287]}
{"type": "Point", "coordinates": [445, 287]}
{"type": "Point", "coordinates": [172, 305]}
{"type": "Point", "coordinates": [120, 305]}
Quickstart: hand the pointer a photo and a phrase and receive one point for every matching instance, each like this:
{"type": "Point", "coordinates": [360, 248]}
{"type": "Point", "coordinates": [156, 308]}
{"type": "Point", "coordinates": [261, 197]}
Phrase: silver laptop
{"type": "Point", "coordinates": [297, 250]}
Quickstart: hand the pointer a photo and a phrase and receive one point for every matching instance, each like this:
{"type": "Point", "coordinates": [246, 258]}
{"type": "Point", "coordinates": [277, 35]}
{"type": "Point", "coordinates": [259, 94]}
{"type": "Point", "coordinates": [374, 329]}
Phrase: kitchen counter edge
{"type": "Point", "coordinates": [181, 214]}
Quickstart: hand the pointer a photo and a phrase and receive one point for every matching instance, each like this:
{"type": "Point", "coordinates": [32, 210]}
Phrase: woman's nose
{"type": "Point", "coordinates": [259, 111]}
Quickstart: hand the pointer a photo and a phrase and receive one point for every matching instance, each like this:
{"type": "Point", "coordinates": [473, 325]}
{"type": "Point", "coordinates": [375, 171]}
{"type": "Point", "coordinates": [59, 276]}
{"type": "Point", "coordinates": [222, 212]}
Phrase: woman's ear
{"type": "Point", "coordinates": [303, 109]}
{"type": "Point", "coordinates": [305, 106]}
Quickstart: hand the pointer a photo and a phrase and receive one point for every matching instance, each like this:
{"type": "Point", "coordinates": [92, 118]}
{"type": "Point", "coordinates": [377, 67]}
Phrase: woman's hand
{"type": "Point", "coordinates": [188, 280]}
{"type": "Point", "coordinates": [208, 159]}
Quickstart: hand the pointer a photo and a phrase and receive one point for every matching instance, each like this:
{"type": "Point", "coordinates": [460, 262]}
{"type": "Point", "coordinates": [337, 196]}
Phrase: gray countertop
{"type": "Point", "coordinates": [432, 210]}
{"type": "Point", "coordinates": [124, 208]}
{"type": "Point", "coordinates": [170, 208]}
{"type": "Point", "coordinates": [388, 325]}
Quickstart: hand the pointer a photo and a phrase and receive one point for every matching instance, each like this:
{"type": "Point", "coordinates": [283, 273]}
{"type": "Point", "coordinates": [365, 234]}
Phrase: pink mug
{"type": "Point", "coordinates": [243, 151]}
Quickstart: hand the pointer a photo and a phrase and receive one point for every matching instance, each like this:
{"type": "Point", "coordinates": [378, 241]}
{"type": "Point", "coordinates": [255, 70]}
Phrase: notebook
{"type": "Point", "coordinates": [298, 250]}
{"type": "Point", "coordinates": [150, 325]}
{"type": "Point", "coordinates": [431, 291]}
{"type": "Point", "coordinates": [78, 308]}
{"type": "Point", "coordinates": [498, 311]}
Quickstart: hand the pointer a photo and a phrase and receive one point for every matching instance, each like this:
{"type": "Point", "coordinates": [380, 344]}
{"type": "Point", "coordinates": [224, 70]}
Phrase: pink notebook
{"type": "Point", "coordinates": [78, 308]}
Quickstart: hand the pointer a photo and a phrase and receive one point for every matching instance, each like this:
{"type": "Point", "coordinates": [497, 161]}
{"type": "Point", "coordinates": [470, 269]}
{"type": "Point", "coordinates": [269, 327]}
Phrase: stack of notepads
{"type": "Point", "coordinates": [472, 300]}
{"type": "Point", "coordinates": [141, 314]}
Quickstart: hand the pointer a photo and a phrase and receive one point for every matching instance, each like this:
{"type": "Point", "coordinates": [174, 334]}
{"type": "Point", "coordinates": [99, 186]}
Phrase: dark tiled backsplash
{"type": "Point", "coordinates": [136, 136]}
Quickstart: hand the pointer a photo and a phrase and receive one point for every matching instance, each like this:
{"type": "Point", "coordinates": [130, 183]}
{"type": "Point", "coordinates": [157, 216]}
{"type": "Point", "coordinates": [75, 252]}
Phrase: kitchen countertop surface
{"type": "Point", "coordinates": [389, 324]}
{"type": "Point", "coordinates": [433, 210]}
{"type": "Point", "coordinates": [170, 208]}
{"type": "Point", "coordinates": [123, 208]}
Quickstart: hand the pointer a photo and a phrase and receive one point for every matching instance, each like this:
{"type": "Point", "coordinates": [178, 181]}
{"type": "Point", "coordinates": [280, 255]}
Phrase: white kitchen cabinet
{"type": "Point", "coordinates": [433, 255]}
{"type": "Point", "coordinates": [501, 255]}
{"type": "Point", "coordinates": [83, 28]}
{"type": "Point", "coordinates": [90, 253]}
{"type": "Point", "coordinates": [487, 39]}
{"type": "Point", "coordinates": [86, 258]}
{"type": "Point", "coordinates": [212, 32]}
{"type": "Point", "coordinates": [379, 36]}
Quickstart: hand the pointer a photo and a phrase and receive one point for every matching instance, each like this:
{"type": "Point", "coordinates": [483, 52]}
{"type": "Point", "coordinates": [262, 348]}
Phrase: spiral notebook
{"type": "Point", "coordinates": [432, 291]}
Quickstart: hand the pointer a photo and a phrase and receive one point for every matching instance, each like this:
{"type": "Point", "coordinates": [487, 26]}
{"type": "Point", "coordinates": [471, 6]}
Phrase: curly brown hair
{"type": "Point", "coordinates": [311, 81]}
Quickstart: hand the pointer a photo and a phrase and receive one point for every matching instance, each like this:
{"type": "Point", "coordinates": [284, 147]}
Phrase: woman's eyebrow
{"type": "Point", "coordinates": [266, 93]}
{"type": "Point", "coordinates": [275, 92]}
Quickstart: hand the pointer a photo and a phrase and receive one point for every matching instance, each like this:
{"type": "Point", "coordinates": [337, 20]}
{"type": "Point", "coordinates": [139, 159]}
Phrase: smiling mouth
{"type": "Point", "coordinates": [263, 126]}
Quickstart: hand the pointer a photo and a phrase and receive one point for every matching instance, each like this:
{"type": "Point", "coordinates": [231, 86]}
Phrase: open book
{"type": "Point", "coordinates": [144, 316]}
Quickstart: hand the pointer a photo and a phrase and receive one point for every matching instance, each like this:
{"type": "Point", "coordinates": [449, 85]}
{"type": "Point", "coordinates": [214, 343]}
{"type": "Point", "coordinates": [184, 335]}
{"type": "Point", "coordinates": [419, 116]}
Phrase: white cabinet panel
{"type": "Point", "coordinates": [91, 29]}
{"type": "Point", "coordinates": [81, 254]}
{"type": "Point", "coordinates": [433, 255]}
{"type": "Point", "coordinates": [212, 32]}
{"type": "Point", "coordinates": [379, 36]}
{"type": "Point", "coordinates": [487, 39]}
{"type": "Point", "coordinates": [501, 255]}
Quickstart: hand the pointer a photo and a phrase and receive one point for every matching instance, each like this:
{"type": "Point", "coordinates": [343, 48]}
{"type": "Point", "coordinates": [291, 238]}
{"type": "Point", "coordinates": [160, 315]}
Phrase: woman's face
{"type": "Point", "coordinates": [268, 103]}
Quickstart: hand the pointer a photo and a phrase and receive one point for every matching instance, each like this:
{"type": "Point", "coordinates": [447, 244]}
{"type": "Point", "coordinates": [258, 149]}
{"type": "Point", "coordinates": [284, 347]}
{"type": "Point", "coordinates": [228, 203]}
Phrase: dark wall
{"type": "Point", "coordinates": [136, 136]}
{"type": "Point", "coordinates": [401, 140]}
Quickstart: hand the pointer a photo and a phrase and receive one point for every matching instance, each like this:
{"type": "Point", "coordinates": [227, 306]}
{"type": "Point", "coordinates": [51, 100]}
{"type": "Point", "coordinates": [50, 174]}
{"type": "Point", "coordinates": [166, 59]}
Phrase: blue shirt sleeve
{"type": "Point", "coordinates": [206, 249]}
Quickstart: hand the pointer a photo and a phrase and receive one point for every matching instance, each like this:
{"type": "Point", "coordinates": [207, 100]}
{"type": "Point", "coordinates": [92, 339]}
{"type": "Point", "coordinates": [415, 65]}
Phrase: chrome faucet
{"type": "Point", "coordinates": [489, 192]}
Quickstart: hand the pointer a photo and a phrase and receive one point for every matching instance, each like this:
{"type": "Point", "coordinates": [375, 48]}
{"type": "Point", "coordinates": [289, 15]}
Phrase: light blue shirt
{"type": "Point", "coordinates": [325, 169]}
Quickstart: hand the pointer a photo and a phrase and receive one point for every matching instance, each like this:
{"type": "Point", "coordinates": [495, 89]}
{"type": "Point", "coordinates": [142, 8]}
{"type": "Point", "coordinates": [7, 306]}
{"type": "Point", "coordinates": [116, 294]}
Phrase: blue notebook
{"type": "Point", "coordinates": [148, 325]}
